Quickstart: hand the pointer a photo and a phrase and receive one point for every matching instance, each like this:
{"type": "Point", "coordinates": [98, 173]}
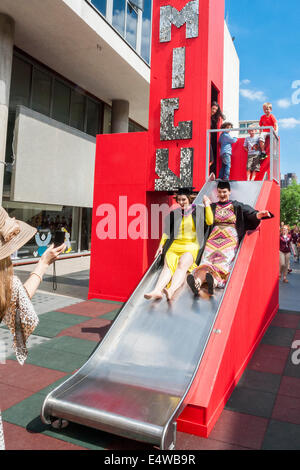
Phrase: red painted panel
{"type": "Point", "coordinates": [249, 305]}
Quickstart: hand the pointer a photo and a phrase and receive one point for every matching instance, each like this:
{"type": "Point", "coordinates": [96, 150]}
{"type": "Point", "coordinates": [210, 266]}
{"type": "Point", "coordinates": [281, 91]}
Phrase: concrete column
{"type": "Point", "coordinates": [119, 116]}
{"type": "Point", "coordinates": [6, 55]}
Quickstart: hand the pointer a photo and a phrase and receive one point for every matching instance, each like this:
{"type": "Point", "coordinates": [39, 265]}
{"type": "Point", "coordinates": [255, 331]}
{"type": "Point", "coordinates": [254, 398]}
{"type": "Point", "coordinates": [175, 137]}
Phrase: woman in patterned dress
{"type": "Point", "coordinates": [230, 221]}
{"type": "Point", "coordinates": [16, 309]}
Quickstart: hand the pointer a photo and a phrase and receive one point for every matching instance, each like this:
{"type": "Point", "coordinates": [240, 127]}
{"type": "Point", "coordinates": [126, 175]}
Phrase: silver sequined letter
{"type": "Point", "coordinates": [189, 15]}
{"type": "Point", "coordinates": [178, 67]}
{"type": "Point", "coordinates": [168, 131]}
{"type": "Point", "coordinates": [168, 181]}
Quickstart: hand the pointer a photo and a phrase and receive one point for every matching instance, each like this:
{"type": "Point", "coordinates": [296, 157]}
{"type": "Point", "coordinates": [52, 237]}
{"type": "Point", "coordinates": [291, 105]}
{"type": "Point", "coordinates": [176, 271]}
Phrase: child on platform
{"type": "Point", "coordinates": [268, 119]}
{"type": "Point", "coordinates": [252, 146]}
{"type": "Point", "coordinates": [226, 141]}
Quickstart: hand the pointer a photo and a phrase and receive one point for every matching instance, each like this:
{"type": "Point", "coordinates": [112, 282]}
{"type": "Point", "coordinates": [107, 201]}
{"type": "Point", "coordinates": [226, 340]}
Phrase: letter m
{"type": "Point", "coordinates": [188, 15]}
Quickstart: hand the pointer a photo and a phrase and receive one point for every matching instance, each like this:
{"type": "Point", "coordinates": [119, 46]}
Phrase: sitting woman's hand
{"type": "Point", "coordinates": [206, 201]}
{"type": "Point", "coordinates": [262, 214]}
{"type": "Point", "coordinates": [52, 253]}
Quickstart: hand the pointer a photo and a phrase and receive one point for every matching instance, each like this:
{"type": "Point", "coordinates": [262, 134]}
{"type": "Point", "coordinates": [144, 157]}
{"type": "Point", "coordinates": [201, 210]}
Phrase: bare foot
{"type": "Point", "coordinates": [168, 293]}
{"type": "Point", "coordinates": [211, 177]}
{"type": "Point", "coordinates": [154, 295]}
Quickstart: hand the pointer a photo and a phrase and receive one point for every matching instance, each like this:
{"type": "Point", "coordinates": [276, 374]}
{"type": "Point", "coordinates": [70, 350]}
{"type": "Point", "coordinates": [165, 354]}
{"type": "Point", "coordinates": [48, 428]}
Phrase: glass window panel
{"type": "Point", "coordinates": [20, 83]}
{"type": "Point", "coordinates": [92, 119]}
{"type": "Point", "coordinates": [131, 25]}
{"type": "Point", "coordinates": [61, 102]}
{"type": "Point", "coordinates": [100, 5]}
{"type": "Point", "coordinates": [119, 15]}
{"type": "Point", "coordinates": [41, 93]}
{"type": "Point", "coordinates": [77, 110]}
{"type": "Point", "coordinates": [146, 31]}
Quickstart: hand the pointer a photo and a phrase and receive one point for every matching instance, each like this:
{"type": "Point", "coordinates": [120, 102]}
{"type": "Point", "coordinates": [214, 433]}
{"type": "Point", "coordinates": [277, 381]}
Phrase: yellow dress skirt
{"type": "Point", "coordinates": [185, 242]}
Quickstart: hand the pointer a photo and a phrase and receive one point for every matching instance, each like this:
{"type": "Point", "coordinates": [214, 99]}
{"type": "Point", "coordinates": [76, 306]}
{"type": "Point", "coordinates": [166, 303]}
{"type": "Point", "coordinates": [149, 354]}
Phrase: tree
{"type": "Point", "coordinates": [290, 204]}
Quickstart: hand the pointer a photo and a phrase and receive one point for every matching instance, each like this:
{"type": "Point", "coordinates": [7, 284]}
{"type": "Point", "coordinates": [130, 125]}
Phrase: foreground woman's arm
{"type": "Point", "coordinates": [36, 277]}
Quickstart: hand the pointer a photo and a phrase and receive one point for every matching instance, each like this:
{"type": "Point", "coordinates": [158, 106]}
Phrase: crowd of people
{"type": "Point", "coordinates": [289, 241]}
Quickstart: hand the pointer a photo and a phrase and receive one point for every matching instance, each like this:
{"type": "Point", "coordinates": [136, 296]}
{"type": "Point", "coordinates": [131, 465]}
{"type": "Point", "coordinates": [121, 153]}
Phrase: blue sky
{"type": "Point", "coordinates": [267, 40]}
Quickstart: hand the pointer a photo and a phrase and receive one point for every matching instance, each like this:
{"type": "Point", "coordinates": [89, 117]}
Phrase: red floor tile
{"type": "Point", "coordinates": [10, 395]}
{"type": "Point", "coordinates": [18, 438]}
{"type": "Point", "coordinates": [90, 309]}
{"type": "Point", "coordinates": [297, 335]}
{"type": "Point", "coordinates": [240, 429]}
{"type": "Point", "coordinates": [189, 442]}
{"type": "Point", "coordinates": [93, 330]}
{"type": "Point", "coordinates": [284, 320]}
{"type": "Point", "coordinates": [290, 386]}
{"type": "Point", "coordinates": [28, 377]}
{"type": "Point", "coordinates": [269, 358]}
{"type": "Point", "coordinates": [287, 409]}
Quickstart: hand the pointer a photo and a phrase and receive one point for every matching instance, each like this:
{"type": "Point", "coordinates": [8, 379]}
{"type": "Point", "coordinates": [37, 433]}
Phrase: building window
{"type": "Point", "coordinates": [131, 25]}
{"type": "Point", "coordinates": [100, 5]}
{"type": "Point", "coordinates": [118, 20]}
{"type": "Point", "coordinates": [77, 110]}
{"type": "Point", "coordinates": [20, 83]}
{"type": "Point", "coordinates": [41, 92]}
{"type": "Point", "coordinates": [61, 102]}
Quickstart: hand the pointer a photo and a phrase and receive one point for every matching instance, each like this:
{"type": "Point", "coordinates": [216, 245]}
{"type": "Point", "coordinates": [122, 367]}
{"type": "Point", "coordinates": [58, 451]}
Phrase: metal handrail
{"type": "Point", "coordinates": [274, 141]}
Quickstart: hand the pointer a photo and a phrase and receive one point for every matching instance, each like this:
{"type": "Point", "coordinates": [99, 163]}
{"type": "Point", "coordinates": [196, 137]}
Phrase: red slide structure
{"type": "Point", "coordinates": [136, 171]}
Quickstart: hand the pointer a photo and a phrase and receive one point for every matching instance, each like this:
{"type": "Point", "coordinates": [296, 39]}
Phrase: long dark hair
{"type": "Point", "coordinates": [215, 118]}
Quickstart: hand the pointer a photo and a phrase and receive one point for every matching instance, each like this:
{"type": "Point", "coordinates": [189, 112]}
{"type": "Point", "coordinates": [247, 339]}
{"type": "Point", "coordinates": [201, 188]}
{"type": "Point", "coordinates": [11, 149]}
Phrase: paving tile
{"type": "Point", "coordinates": [289, 311]}
{"type": "Point", "coordinates": [240, 429]}
{"type": "Point", "coordinates": [68, 344]}
{"type": "Point", "coordinates": [46, 302]}
{"type": "Point", "coordinates": [282, 436]}
{"type": "Point", "coordinates": [52, 358]}
{"type": "Point", "coordinates": [290, 386]}
{"type": "Point", "coordinates": [268, 358]}
{"type": "Point", "coordinates": [111, 315]}
{"type": "Point", "coordinates": [262, 381]}
{"type": "Point", "coordinates": [107, 301]}
{"type": "Point", "coordinates": [52, 323]}
{"type": "Point", "coordinates": [27, 415]}
{"type": "Point", "coordinates": [92, 330]}
{"type": "Point", "coordinates": [18, 438]}
{"type": "Point", "coordinates": [89, 309]}
{"type": "Point", "coordinates": [10, 395]}
{"type": "Point", "coordinates": [278, 336]}
{"type": "Point", "coordinates": [6, 343]}
{"type": "Point", "coordinates": [252, 402]}
{"type": "Point", "coordinates": [188, 442]}
{"type": "Point", "coordinates": [284, 320]}
{"type": "Point", "coordinates": [287, 409]}
{"type": "Point", "coordinates": [28, 377]}
{"type": "Point", "coordinates": [292, 368]}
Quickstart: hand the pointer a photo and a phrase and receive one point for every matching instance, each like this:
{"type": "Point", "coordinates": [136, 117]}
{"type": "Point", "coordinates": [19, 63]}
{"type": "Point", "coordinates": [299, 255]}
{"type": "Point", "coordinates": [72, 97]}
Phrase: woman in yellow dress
{"type": "Point", "coordinates": [180, 245]}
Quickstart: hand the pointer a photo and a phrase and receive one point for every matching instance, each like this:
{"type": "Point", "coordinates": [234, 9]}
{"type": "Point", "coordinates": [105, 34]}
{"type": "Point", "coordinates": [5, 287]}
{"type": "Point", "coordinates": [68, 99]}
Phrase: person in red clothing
{"type": "Point", "coordinates": [268, 119]}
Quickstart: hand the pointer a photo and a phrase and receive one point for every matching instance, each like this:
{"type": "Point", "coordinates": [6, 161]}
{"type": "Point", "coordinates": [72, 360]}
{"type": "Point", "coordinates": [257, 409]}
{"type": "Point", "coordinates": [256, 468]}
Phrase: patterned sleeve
{"type": "Point", "coordinates": [21, 319]}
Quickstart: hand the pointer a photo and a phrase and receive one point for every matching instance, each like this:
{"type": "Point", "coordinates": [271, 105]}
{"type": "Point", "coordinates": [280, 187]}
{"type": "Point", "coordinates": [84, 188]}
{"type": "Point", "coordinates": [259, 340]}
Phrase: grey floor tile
{"type": "Point", "coordinates": [282, 436]}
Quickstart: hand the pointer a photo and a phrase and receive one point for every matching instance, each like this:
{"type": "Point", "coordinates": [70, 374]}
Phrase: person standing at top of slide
{"type": "Point", "coordinates": [267, 119]}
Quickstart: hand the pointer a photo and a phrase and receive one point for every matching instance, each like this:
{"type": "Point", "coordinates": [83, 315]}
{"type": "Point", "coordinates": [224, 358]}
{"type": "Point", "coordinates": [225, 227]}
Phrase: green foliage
{"type": "Point", "coordinates": [290, 204]}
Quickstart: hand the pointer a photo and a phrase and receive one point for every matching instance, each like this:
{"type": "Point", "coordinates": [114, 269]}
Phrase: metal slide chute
{"type": "Point", "coordinates": [135, 383]}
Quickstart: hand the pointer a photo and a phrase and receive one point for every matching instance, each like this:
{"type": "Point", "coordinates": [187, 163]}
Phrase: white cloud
{"type": "Point", "coordinates": [253, 95]}
{"type": "Point", "coordinates": [284, 103]}
{"type": "Point", "coordinates": [245, 81]}
{"type": "Point", "coordinates": [289, 123]}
